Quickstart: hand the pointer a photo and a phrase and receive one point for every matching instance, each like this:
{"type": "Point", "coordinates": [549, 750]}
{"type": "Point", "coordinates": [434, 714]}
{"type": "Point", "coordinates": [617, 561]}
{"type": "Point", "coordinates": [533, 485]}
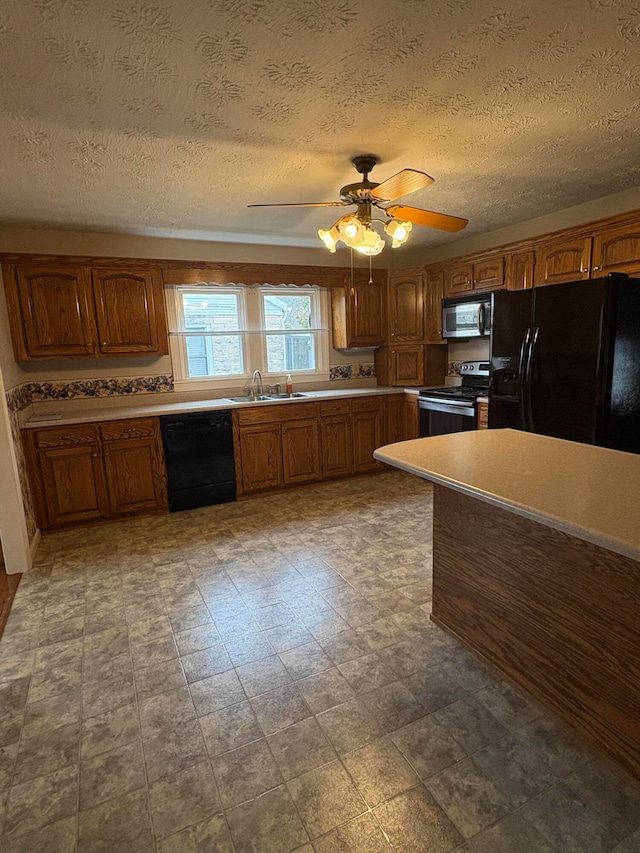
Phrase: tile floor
{"type": "Point", "coordinates": [263, 676]}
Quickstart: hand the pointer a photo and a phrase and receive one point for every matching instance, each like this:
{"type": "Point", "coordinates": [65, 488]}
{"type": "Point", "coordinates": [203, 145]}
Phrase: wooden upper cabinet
{"type": "Point", "coordinates": [51, 313]}
{"type": "Point", "coordinates": [357, 312]}
{"type": "Point", "coordinates": [407, 365]}
{"type": "Point", "coordinates": [405, 305]}
{"type": "Point", "coordinates": [617, 250]}
{"type": "Point", "coordinates": [488, 274]}
{"type": "Point", "coordinates": [520, 270]}
{"type": "Point", "coordinates": [482, 274]}
{"type": "Point", "coordinates": [458, 278]}
{"type": "Point", "coordinates": [129, 312]}
{"type": "Point", "coordinates": [79, 312]}
{"type": "Point", "coordinates": [565, 260]}
{"type": "Point", "coordinates": [434, 291]}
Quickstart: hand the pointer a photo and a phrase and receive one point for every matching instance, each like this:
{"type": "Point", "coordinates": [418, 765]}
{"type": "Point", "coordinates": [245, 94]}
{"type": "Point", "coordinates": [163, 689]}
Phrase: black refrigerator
{"type": "Point", "coordinates": [565, 361]}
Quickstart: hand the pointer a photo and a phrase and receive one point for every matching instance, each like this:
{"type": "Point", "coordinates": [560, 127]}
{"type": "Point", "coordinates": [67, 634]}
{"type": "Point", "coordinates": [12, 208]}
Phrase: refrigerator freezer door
{"type": "Point", "coordinates": [510, 336]}
{"type": "Point", "coordinates": [567, 366]}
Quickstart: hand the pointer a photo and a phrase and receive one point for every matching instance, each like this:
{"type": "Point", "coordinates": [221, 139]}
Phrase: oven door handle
{"type": "Point", "coordinates": [481, 318]}
{"type": "Point", "coordinates": [452, 407]}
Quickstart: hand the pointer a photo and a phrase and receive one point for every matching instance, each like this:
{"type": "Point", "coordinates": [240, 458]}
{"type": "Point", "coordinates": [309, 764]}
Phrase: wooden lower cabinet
{"type": "Point", "coordinates": [301, 451]}
{"type": "Point", "coordinates": [394, 418]}
{"type": "Point", "coordinates": [483, 415]}
{"type": "Point", "coordinates": [72, 485]}
{"type": "Point", "coordinates": [78, 476]}
{"type": "Point", "coordinates": [261, 454]}
{"type": "Point", "coordinates": [134, 475]}
{"type": "Point", "coordinates": [367, 435]}
{"type": "Point", "coordinates": [337, 445]}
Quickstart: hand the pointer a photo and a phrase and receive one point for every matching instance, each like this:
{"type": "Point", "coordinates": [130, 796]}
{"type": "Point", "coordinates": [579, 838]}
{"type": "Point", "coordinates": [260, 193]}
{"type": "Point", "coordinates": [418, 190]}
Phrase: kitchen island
{"type": "Point", "coordinates": [536, 566]}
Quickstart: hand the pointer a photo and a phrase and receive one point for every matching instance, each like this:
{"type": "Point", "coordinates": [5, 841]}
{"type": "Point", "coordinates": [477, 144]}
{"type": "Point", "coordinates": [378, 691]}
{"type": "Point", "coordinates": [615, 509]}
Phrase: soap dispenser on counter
{"type": "Point", "coordinates": [289, 384]}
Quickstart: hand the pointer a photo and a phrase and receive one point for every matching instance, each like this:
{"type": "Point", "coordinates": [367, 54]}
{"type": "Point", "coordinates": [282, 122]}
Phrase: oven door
{"type": "Point", "coordinates": [442, 417]}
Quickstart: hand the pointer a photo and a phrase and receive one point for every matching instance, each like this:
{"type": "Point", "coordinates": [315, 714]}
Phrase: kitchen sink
{"type": "Point", "coordinates": [287, 396]}
{"type": "Point", "coordinates": [251, 398]}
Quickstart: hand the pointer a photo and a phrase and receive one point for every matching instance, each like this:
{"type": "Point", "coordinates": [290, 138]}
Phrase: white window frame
{"type": "Point", "coordinates": [253, 336]}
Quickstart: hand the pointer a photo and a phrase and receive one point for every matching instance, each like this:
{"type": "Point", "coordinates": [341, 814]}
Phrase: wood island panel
{"type": "Point", "coordinates": [557, 615]}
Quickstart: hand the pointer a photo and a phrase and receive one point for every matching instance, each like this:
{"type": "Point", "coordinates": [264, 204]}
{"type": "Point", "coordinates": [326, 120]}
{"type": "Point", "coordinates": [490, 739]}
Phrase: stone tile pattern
{"type": "Point", "coordinates": [264, 676]}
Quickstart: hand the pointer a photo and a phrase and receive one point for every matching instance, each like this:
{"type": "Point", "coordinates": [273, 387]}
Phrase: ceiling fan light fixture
{"type": "Point", "coordinates": [329, 238]}
{"type": "Point", "coordinates": [371, 243]}
{"type": "Point", "coordinates": [398, 231]}
{"type": "Point", "coordinates": [351, 231]}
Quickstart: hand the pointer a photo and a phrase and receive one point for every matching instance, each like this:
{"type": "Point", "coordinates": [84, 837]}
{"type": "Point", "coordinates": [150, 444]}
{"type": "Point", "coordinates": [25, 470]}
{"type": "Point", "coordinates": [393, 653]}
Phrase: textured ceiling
{"type": "Point", "coordinates": [172, 116]}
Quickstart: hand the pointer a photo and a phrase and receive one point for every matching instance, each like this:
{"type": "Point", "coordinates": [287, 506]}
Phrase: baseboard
{"type": "Point", "coordinates": [33, 545]}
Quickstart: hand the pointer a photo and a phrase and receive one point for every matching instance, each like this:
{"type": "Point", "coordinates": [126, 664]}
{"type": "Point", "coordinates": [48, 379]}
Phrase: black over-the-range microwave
{"type": "Point", "coordinates": [466, 316]}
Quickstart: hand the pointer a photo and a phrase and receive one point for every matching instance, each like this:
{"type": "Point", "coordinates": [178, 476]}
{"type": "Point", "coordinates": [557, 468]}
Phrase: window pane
{"type": "Point", "coordinates": [287, 312]}
{"type": "Point", "coordinates": [214, 356]}
{"type": "Point", "coordinates": [286, 353]}
{"type": "Point", "coordinates": [211, 312]}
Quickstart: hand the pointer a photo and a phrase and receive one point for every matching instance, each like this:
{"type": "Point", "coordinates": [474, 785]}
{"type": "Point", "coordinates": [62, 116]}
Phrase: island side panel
{"type": "Point", "coordinates": [558, 616]}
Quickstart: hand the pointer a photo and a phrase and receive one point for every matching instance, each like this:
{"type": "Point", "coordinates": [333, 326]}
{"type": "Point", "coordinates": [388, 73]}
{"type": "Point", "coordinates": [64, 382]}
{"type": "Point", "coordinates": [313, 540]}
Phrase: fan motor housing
{"type": "Point", "coordinates": [357, 193]}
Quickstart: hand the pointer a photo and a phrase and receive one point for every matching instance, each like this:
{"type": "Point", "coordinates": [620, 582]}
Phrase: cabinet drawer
{"type": "Point", "coordinates": [66, 436]}
{"type": "Point", "coordinates": [276, 413]}
{"type": "Point", "coordinates": [335, 407]}
{"type": "Point", "coordinates": [135, 428]}
{"type": "Point", "coordinates": [369, 404]}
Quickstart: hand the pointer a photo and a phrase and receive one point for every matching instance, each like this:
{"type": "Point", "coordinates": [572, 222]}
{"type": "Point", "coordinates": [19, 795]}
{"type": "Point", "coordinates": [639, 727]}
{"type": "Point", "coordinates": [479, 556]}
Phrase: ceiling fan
{"type": "Point", "coordinates": [355, 229]}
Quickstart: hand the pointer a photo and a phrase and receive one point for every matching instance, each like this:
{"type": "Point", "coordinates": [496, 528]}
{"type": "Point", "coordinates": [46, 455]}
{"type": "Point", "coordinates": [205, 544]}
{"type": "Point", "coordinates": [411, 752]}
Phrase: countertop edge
{"type": "Point", "coordinates": [602, 540]}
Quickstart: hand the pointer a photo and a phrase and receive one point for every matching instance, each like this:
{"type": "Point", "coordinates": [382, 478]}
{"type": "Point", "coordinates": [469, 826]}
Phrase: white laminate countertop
{"type": "Point", "coordinates": [152, 405]}
{"type": "Point", "coordinates": [592, 493]}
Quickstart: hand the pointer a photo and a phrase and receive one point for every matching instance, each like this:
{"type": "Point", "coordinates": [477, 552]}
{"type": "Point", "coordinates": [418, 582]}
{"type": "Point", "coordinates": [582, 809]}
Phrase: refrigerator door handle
{"type": "Point", "coordinates": [528, 379]}
{"type": "Point", "coordinates": [524, 347]}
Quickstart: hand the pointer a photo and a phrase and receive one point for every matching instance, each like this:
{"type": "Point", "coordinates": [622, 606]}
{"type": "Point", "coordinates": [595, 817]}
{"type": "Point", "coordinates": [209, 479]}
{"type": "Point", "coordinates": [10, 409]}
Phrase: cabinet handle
{"type": "Point", "coordinates": [596, 268]}
{"type": "Point", "coordinates": [584, 270]}
{"type": "Point", "coordinates": [95, 455]}
{"type": "Point", "coordinates": [67, 437]}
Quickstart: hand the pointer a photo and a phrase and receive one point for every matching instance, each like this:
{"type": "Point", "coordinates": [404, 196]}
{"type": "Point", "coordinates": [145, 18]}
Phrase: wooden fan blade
{"type": "Point", "coordinates": [304, 204]}
{"type": "Point", "coordinates": [402, 183]}
{"type": "Point", "coordinates": [427, 217]}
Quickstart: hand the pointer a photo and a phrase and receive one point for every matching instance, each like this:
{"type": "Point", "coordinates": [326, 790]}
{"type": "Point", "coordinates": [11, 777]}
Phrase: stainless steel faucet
{"type": "Point", "coordinates": [260, 389]}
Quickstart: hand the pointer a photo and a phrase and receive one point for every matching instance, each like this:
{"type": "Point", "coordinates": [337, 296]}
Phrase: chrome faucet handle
{"type": "Point", "coordinates": [277, 388]}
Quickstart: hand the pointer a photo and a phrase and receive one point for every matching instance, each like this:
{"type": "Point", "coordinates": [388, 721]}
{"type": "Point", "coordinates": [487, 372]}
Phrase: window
{"type": "Point", "coordinates": [220, 335]}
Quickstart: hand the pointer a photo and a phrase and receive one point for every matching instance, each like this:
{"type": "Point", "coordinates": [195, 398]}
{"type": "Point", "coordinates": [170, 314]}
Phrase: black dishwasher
{"type": "Point", "coordinates": [198, 450]}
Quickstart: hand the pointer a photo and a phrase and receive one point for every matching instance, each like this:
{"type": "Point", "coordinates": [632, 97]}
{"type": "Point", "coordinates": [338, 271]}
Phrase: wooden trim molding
{"type": "Point", "coordinates": [175, 272]}
{"type": "Point", "coordinates": [556, 615]}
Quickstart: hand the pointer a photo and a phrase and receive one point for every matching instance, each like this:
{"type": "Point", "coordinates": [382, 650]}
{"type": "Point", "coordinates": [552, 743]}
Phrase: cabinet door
{"type": "Point", "coordinates": [458, 279]}
{"type": "Point", "coordinates": [130, 312]}
{"type": "Point", "coordinates": [617, 251]}
{"type": "Point", "coordinates": [520, 271]}
{"type": "Point", "coordinates": [73, 484]}
{"type": "Point", "coordinates": [405, 305]}
{"type": "Point", "coordinates": [337, 446]}
{"type": "Point", "coordinates": [407, 365]}
{"type": "Point", "coordinates": [489, 274]}
{"type": "Point", "coordinates": [56, 313]}
{"type": "Point", "coordinates": [366, 327]}
{"type": "Point", "coordinates": [412, 417]}
{"type": "Point", "coordinates": [261, 456]}
{"type": "Point", "coordinates": [394, 419]}
{"type": "Point", "coordinates": [433, 302]}
{"type": "Point", "coordinates": [483, 415]}
{"type": "Point", "coordinates": [567, 260]}
{"type": "Point", "coordinates": [135, 477]}
{"type": "Point", "coordinates": [300, 451]}
{"type": "Point", "coordinates": [366, 439]}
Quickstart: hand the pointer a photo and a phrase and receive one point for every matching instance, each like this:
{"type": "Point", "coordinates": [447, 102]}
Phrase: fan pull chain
{"type": "Point", "coordinates": [351, 251]}
{"type": "Point", "coordinates": [370, 273]}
